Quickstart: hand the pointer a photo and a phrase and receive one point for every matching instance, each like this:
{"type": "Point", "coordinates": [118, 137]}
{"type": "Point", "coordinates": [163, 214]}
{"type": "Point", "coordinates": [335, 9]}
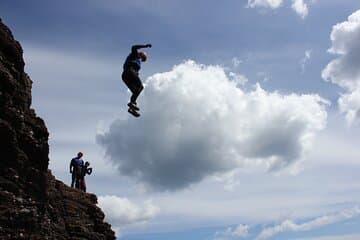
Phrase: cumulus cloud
{"type": "Point", "coordinates": [238, 78]}
{"type": "Point", "coordinates": [290, 226]}
{"type": "Point", "coordinates": [196, 122]}
{"type": "Point", "coordinates": [344, 71]}
{"type": "Point", "coordinates": [265, 3]}
{"type": "Point", "coordinates": [121, 212]}
{"type": "Point", "coordinates": [300, 7]}
{"type": "Point", "coordinates": [242, 230]}
{"type": "Point", "coordinates": [349, 103]}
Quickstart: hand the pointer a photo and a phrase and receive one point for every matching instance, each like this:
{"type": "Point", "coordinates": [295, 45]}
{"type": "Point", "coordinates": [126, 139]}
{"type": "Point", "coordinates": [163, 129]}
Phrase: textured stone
{"type": "Point", "coordinates": [33, 204]}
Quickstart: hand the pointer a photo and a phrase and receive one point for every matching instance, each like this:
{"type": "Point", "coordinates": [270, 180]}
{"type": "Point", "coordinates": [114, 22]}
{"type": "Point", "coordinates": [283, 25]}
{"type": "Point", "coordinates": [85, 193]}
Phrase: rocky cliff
{"type": "Point", "coordinates": [33, 204]}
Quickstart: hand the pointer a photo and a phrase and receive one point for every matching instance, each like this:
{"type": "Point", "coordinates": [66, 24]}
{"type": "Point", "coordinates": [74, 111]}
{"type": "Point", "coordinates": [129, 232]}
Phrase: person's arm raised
{"type": "Point", "coordinates": [134, 48]}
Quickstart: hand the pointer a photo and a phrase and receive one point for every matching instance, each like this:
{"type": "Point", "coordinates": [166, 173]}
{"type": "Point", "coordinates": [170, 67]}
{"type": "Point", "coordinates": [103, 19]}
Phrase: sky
{"type": "Point", "coordinates": [249, 124]}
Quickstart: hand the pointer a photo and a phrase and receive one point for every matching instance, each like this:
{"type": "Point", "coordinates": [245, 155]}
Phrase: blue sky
{"type": "Point", "coordinates": [249, 124]}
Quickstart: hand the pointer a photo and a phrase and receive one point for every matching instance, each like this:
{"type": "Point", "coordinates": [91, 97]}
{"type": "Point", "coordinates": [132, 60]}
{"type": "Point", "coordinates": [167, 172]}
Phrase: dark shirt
{"type": "Point", "coordinates": [133, 61]}
{"type": "Point", "coordinates": [76, 164]}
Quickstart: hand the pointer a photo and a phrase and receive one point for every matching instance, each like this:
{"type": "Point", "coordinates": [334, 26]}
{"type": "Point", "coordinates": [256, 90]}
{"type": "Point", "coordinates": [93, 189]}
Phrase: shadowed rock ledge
{"type": "Point", "coordinates": [33, 204]}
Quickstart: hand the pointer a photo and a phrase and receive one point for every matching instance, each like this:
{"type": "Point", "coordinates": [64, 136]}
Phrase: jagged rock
{"type": "Point", "coordinates": [33, 204]}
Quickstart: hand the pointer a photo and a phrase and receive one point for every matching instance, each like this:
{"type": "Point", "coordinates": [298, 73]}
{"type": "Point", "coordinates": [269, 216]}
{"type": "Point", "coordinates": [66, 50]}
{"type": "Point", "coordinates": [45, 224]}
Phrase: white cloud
{"type": "Point", "coordinates": [229, 179]}
{"type": "Point", "coordinates": [349, 103]}
{"type": "Point", "coordinates": [236, 62]}
{"type": "Point", "coordinates": [300, 7]}
{"type": "Point", "coordinates": [265, 3]}
{"type": "Point", "coordinates": [121, 212]}
{"type": "Point", "coordinates": [337, 237]}
{"type": "Point", "coordinates": [239, 231]}
{"type": "Point", "coordinates": [305, 59]}
{"type": "Point", "coordinates": [344, 71]}
{"type": "Point", "coordinates": [239, 79]}
{"type": "Point", "coordinates": [290, 226]}
{"type": "Point", "coordinates": [196, 122]}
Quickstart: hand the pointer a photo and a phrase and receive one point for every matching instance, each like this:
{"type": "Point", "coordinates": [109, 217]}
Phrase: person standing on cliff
{"type": "Point", "coordinates": [76, 166]}
{"type": "Point", "coordinates": [131, 78]}
{"type": "Point", "coordinates": [85, 170]}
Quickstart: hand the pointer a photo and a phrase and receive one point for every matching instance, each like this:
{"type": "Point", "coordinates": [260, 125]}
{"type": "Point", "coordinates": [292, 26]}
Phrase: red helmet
{"type": "Point", "coordinates": [143, 56]}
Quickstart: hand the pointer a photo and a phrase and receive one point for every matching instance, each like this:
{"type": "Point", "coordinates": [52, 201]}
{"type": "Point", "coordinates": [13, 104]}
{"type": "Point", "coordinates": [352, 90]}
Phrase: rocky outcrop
{"type": "Point", "coordinates": [33, 204]}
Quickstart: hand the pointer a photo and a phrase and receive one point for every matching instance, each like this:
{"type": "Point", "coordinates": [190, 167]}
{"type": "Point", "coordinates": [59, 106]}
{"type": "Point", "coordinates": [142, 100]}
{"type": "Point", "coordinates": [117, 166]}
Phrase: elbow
{"type": "Point", "coordinates": [134, 48]}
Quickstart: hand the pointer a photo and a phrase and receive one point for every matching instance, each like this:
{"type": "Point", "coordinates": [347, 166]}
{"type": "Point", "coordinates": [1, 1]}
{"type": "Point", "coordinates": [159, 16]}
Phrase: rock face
{"type": "Point", "coordinates": [33, 204]}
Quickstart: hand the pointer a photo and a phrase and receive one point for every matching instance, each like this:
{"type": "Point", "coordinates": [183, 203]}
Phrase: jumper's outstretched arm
{"type": "Point", "coordinates": [134, 48]}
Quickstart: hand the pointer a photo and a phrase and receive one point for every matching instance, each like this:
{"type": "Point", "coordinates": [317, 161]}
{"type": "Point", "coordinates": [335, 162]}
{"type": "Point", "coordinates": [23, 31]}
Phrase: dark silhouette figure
{"type": "Point", "coordinates": [131, 78]}
{"type": "Point", "coordinates": [85, 170]}
{"type": "Point", "coordinates": [76, 166]}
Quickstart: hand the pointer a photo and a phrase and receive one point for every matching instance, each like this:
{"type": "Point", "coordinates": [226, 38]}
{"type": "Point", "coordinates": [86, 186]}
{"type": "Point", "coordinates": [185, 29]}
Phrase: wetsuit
{"type": "Point", "coordinates": [130, 74]}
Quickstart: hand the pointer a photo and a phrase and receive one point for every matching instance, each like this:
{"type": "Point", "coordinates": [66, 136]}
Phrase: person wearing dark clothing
{"type": "Point", "coordinates": [130, 75]}
{"type": "Point", "coordinates": [76, 166]}
{"type": "Point", "coordinates": [85, 170]}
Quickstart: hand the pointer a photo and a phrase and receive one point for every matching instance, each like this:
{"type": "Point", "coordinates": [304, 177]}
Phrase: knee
{"type": "Point", "coordinates": [139, 89]}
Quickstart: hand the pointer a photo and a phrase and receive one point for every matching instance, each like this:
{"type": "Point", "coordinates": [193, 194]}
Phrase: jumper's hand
{"type": "Point", "coordinates": [148, 45]}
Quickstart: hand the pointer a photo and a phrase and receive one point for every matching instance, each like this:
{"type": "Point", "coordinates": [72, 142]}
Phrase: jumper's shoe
{"type": "Point", "coordinates": [133, 112]}
{"type": "Point", "coordinates": [133, 106]}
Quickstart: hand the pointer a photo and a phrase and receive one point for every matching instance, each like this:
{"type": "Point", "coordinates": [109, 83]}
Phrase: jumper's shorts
{"type": "Point", "coordinates": [132, 80]}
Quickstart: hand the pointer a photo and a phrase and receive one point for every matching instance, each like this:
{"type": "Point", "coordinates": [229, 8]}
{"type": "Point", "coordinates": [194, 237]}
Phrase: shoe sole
{"type": "Point", "coordinates": [133, 107]}
{"type": "Point", "coordinates": [133, 112]}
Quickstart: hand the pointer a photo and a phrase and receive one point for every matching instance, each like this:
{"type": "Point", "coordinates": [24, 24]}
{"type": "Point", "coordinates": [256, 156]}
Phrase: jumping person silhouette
{"type": "Point", "coordinates": [131, 78]}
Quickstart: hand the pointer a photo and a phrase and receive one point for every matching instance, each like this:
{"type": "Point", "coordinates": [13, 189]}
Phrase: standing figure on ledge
{"type": "Point", "coordinates": [76, 166]}
{"type": "Point", "coordinates": [85, 170]}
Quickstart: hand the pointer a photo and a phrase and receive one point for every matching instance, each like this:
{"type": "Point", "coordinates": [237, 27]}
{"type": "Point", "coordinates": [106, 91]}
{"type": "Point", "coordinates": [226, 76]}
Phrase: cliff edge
{"type": "Point", "coordinates": [33, 204]}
